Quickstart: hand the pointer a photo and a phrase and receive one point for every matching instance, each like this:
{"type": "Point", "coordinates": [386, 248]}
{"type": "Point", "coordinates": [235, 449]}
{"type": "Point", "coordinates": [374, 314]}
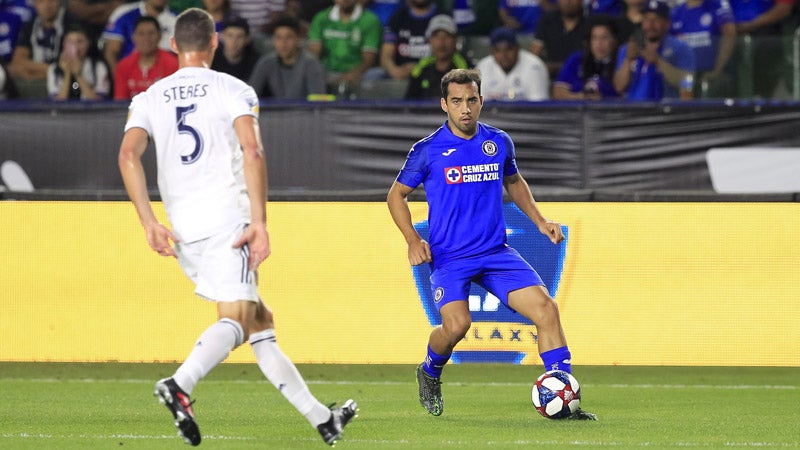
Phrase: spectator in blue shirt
{"type": "Point", "coordinates": [654, 68]}
{"type": "Point", "coordinates": [707, 26]}
{"type": "Point", "coordinates": [523, 15]}
{"type": "Point", "coordinates": [588, 74]}
{"type": "Point", "coordinates": [763, 20]}
{"type": "Point", "coordinates": [10, 26]}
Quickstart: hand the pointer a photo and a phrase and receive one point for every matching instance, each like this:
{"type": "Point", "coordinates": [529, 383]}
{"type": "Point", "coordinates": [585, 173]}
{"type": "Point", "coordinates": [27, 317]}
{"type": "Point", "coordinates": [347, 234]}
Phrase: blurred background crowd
{"type": "Point", "coordinates": [529, 50]}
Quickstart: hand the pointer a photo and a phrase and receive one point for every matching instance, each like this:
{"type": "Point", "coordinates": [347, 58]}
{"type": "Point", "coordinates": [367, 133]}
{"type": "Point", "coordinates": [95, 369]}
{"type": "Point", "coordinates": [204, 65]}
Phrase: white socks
{"type": "Point", "coordinates": [211, 348]}
{"type": "Point", "coordinates": [280, 371]}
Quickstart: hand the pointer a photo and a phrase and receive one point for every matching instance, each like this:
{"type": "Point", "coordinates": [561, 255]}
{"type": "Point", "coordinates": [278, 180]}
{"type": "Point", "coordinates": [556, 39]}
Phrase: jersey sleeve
{"type": "Point", "coordinates": [415, 168]}
{"type": "Point", "coordinates": [137, 114]}
{"type": "Point", "coordinates": [568, 75]}
{"type": "Point", "coordinates": [510, 164]}
{"type": "Point", "coordinates": [372, 34]}
{"type": "Point", "coordinates": [244, 101]}
{"type": "Point", "coordinates": [315, 30]}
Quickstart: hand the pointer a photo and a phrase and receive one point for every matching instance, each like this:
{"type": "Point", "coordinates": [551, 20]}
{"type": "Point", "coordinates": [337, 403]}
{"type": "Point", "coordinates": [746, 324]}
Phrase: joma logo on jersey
{"type": "Point", "coordinates": [472, 174]}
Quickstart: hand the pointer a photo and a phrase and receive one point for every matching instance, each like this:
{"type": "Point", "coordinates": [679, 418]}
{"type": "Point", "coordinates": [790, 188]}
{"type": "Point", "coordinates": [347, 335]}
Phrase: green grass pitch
{"type": "Point", "coordinates": [103, 406]}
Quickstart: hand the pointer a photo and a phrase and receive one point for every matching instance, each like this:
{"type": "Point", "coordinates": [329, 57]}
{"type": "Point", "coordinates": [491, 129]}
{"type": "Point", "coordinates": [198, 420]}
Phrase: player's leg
{"type": "Point", "coordinates": [509, 277]}
{"type": "Point", "coordinates": [456, 321]}
{"type": "Point", "coordinates": [535, 303]}
{"type": "Point", "coordinates": [450, 283]}
{"type": "Point", "coordinates": [216, 268]}
{"type": "Point", "coordinates": [283, 374]}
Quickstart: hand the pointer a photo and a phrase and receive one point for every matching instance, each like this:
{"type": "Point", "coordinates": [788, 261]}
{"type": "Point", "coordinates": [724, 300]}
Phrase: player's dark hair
{"type": "Point", "coordinates": [148, 19]}
{"type": "Point", "coordinates": [460, 76]}
{"type": "Point", "coordinates": [193, 30]}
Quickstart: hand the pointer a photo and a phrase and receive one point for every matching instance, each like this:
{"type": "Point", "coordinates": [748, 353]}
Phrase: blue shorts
{"type": "Point", "coordinates": [499, 273]}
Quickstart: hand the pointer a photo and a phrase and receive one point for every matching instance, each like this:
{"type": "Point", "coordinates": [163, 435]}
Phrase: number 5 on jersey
{"type": "Point", "coordinates": [181, 112]}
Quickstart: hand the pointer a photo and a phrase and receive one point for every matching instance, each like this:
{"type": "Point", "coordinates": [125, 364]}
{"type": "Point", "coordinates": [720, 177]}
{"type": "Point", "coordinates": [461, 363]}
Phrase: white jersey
{"type": "Point", "coordinates": [189, 116]}
{"type": "Point", "coordinates": [527, 80]}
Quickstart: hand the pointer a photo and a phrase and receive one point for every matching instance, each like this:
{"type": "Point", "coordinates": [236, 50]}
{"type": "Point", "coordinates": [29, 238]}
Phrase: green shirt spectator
{"type": "Point", "coordinates": [346, 38]}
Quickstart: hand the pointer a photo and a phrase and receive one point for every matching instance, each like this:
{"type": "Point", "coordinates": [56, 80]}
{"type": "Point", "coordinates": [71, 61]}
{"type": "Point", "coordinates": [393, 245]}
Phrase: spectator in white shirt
{"type": "Point", "coordinates": [511, 73]}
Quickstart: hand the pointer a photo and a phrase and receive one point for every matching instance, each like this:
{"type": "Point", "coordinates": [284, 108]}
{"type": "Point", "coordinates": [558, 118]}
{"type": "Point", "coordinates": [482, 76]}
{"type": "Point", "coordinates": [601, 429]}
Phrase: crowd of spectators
{"type": "Point", "coordinates": [525, 49]}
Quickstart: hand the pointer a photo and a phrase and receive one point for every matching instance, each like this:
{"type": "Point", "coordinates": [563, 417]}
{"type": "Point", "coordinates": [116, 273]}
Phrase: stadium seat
{"type": "Point", "coordinates": [476, 47]}
{"type": "Point", "coordinates": [382, 89]}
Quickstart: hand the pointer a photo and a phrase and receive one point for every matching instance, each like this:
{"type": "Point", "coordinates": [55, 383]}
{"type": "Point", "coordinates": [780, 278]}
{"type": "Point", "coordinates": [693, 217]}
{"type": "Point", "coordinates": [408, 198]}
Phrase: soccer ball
{"type": "Point", "coordinates": [556, 394]}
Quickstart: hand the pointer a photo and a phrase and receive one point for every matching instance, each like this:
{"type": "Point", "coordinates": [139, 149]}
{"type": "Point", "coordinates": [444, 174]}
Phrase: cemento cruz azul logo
{"type": "Point", "coordinates": [472, 174]}
{"type": "Point", "coordinates": [497, 333]}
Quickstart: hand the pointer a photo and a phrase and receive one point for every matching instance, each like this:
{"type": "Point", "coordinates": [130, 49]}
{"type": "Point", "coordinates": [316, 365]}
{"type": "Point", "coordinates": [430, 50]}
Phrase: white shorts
{"type": "Point", "coordinates": [219, 271]}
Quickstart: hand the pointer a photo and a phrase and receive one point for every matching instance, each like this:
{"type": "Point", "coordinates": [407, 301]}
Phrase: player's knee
{"type": "Point", "coordinates": [456, 328]}
{"type": "Point", "coordinates": [547, 313]}
{"type": "Point", "coordinates": [262, 319]}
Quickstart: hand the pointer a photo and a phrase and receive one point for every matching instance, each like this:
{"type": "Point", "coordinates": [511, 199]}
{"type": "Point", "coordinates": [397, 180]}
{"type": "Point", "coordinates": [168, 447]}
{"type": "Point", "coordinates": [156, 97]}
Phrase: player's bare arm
{"type": "Point", "coordinates": [255, 177]}
{"type": "Point", "coordinates": [134, 143]}
{"type": "Point", "coordinates": [521, 194]}
{"type": "Point", "coordinates": [418, 249]}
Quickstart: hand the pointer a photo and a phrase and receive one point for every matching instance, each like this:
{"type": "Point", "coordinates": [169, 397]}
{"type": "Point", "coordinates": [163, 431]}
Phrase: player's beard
{"type": "Point", "coordinates": [466, 129]}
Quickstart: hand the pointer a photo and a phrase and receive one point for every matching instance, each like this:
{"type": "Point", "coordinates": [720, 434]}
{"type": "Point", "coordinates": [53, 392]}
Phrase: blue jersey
{"type": "Point", "coordinates": [612, 8]}
{"type": "Point", "coordinates": [526, 12]}
{"type": "Point", "coordinates": [747, 10]}
{"type": "Point", "coordinates": [384, 9]}
{"type": "Point", "coordinates": [122, 23]}
{"type": "Point", "coordinates": [10, 27]}
{"type": "Point", "coordinates": [647, 83]}
{"type": "Point", "coordinates": [571, 76]}
{"type": "Point", "coordinates": [463, 181]}
{"type": "Point", "coordinates": [701, 28]}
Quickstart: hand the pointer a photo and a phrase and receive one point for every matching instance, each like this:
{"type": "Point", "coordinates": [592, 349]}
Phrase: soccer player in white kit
{"type": "Point", "coordinates": [212, 177]}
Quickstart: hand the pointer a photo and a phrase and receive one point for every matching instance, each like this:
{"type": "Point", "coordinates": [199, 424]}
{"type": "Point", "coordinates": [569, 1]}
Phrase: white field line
{"type": "Point", "coordinates": [404, 442]}
{"type": "Point", "coordinates": [403, 383]}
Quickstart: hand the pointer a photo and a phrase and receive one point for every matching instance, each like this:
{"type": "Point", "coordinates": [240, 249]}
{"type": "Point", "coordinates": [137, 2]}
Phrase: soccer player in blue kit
{"type": "Point", "coordinates": [464, 166]}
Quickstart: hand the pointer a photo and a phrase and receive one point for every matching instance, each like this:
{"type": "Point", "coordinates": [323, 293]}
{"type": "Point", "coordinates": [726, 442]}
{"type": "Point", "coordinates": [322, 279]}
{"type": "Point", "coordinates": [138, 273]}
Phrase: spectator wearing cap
{"type": "Point", "coordinates": [426, 77]}
{"type": "Point", "coordinates": [559, 34]}
{"type": "Point", "coordinates": [511, 73]}
{"type": "Point", "coordinates": [236, 54]}
{"type": "Point", "coordinates": [653, 69]}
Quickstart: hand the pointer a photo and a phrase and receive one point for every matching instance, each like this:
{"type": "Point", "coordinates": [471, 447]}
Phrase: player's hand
{"type": "Point", "coordinates": [419, 252]}
{"type": "Point", "coordinates": [257, 240]}
{"type": "Point", "coordinates": [553, 231]}
{"type": "Point", "coordinates": [159, 237]}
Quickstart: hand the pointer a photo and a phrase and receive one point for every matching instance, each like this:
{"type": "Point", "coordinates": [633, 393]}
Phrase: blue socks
{"type": "Point", "coordinates": [434, 363]}
{"type": "Point", "coordinates": [557, 359]}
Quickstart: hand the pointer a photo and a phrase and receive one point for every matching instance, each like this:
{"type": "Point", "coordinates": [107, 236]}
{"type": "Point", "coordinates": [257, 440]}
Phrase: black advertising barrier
{"type": "Point", "coordinates": [361, 145]}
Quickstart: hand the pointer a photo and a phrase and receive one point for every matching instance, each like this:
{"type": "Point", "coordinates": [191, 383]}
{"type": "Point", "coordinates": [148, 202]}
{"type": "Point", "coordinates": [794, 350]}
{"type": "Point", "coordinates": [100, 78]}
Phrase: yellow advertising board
{"type": "Point", "coordinates": [638, 284]}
